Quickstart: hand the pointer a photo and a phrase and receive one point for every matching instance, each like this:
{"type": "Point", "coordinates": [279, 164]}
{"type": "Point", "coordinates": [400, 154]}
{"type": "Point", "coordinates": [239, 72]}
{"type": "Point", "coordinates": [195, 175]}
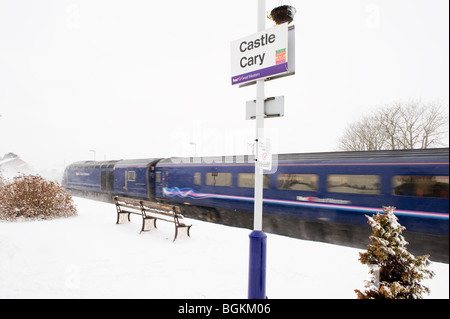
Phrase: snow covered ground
{"type": "Point", "coordinates": [89, 256]}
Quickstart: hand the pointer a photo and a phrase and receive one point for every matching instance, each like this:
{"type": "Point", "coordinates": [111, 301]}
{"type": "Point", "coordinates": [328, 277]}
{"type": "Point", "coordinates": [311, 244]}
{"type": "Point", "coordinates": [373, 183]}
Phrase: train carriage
{"type": "Point", "coordinates": [135, 178]}
{"type": "Point", "coordinates": [89, 177]}
{"type": "Point", "coordinates": [320, 196]}
{"type": "Point", "coordinates": [332, 187]}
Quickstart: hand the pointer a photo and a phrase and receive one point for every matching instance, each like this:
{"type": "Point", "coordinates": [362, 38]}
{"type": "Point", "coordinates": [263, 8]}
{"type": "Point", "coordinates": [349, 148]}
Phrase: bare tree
{"type": "Point", "coordinates": [365, 135]}
{"type": "Point", "coordinates": [388, 118]}
{"type": "Point", "coordinates": [434, 126]}
{"type": "Point", "coordinates": [409, 125]}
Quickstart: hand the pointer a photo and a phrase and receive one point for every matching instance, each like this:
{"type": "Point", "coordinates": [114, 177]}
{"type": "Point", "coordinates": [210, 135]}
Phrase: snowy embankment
{"type": "Point", "coordinates": [89, 256]}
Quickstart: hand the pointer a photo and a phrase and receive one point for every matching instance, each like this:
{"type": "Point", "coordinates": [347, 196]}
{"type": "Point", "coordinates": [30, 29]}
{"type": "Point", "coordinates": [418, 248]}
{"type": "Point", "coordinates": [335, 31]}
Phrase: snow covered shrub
{"type": "Point", "coordinates": [396, 274]}
{"type": "Point", "coordinates": [2, 181]}
{"type": "Point", "coordinates": [31, 196]}
{"type": "Point", "coordinates": [2, 184]}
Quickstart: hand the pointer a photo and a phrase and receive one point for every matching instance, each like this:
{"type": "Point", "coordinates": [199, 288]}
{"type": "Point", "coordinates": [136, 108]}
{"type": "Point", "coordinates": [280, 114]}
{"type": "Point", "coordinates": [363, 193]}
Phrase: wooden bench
{"type": "Point", "coordinates": [150, 212]}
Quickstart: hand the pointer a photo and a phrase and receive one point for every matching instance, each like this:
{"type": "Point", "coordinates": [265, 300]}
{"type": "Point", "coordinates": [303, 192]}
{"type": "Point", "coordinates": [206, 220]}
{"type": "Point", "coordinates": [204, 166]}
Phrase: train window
{"type": "Point", "coordinates": [158, 177]}
{"type": "Point", "coordinates": [298, 182]}
{"type": "Point", "coordinates": [197, 178]}
{"type": "Point", "coordinates": [218, 179]}
{"type": "Point", "coordinates": [420, 186]}
{"type": "Point", "coordinates": [354, 184]}
{"type": "Point", "coordinates": [131, 176]}
{"type": "Point", "coordinates": [248, 180]}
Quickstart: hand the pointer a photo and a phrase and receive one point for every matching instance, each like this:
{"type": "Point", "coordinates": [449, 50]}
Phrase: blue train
{"type": "Point", "coordinates": [316, 196]}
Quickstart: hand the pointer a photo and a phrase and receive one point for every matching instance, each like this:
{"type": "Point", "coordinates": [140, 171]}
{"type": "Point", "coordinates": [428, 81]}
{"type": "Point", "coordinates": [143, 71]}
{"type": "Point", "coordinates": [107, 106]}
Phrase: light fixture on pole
{"type": "Point", "coordinates": [195, 148]}
{"type": "Point", "coordinates": [95, 153]}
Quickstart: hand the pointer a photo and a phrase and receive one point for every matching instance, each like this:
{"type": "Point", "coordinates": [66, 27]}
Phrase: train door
{"type": "Point", "coordinates": [153, 181]}
{"type": "Point", "coordinates": [165, 179]}
{"type": "Point", "coordinates": [161, 181]}
{"type": "Point", "coordinates": [107, 181]}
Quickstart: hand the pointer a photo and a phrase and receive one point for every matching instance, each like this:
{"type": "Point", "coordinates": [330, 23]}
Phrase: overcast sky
{"type": "Point", "coordinates": [139, 78]}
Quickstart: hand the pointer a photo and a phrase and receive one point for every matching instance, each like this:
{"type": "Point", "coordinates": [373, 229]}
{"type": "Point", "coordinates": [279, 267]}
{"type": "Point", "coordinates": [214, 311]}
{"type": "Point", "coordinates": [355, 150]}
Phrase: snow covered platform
{"type": "Point", "coordinates": [89, 256]}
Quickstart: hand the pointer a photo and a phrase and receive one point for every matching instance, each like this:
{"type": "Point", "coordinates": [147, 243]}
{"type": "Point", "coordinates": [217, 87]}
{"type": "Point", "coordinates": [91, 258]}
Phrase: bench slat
{"type": "Point", "coordinates": [131, 207]}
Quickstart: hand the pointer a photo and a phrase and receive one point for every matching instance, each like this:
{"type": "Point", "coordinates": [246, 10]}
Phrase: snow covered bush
{"type": "Point", "coordinates": [2, 181]}
{"type": "Point", "coordinates": [396, 274]}
{"type": "Point", "coordinates": [33, 197]}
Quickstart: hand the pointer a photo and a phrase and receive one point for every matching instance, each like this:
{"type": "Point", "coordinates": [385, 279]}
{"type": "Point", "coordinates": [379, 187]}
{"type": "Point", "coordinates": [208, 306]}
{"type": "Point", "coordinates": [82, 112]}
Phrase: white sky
{"type": "Point", "coordinates": [137, 78]}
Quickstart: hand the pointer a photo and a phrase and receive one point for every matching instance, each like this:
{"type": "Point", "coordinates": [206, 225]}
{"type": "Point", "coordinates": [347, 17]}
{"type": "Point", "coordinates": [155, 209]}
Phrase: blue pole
{"type": "Point", "coordinates": [257, 267]}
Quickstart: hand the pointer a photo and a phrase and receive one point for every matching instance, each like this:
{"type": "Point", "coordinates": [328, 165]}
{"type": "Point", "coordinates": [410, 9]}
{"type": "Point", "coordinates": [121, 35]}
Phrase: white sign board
{"type": "Point", "coordinates": [264, 155]}
{"type": "Point", "coordinates": [273, 107]}
{"type": "Point", "coordinates": [260, 55]}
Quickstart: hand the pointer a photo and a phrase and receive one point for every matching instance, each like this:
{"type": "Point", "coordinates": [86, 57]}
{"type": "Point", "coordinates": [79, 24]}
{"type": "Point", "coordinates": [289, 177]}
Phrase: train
{"type": "Point", "coordinates": [314, 196]}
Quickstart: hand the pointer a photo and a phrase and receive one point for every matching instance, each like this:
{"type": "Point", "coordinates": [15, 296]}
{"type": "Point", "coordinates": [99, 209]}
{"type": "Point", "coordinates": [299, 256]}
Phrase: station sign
{"type": "Point", "coordinates": [259, 56]}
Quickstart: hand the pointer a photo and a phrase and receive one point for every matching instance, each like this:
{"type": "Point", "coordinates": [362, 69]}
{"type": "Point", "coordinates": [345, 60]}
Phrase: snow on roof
{"type": "Point", "coordinates": [135, 162]}
{"type": "Point", "coordinates": [7, 160]}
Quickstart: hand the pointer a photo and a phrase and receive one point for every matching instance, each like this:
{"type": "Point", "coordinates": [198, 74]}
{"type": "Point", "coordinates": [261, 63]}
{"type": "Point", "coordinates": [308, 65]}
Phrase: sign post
{"type": "Point", "coordinates": [258, 239]}
{"type": "Point", "coordinates": [255, 59]}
